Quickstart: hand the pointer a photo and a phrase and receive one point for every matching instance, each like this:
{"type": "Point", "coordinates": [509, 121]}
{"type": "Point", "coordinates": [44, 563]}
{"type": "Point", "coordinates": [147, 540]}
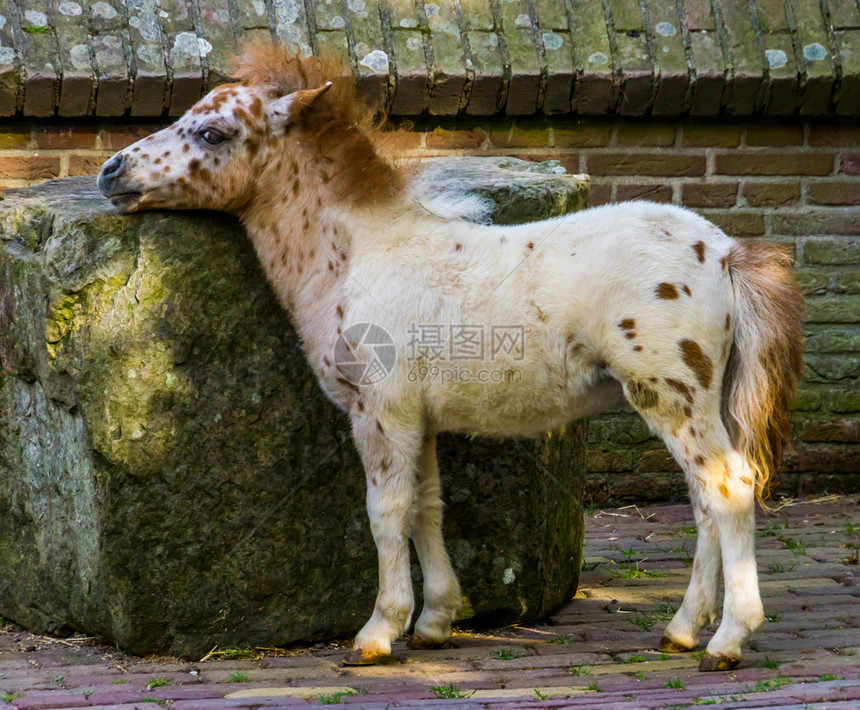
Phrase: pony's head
{"type": "Point", "coordinates": [215, 155]}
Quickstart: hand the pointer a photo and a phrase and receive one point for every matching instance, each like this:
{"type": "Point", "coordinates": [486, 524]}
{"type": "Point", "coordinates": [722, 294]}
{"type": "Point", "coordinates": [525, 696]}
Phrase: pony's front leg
{"type": "Point", "coordinates": [442, 597]}
{"type": "Point", "coordinates": [390, 454]}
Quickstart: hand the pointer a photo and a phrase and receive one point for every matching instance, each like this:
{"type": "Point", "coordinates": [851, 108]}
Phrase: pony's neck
{"type": "Point", "coordinates": [303, 243]}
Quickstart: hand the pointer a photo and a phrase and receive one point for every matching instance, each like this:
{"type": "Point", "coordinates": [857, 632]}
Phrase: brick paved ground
{"type": "Point", "coordinates": [598, 651]}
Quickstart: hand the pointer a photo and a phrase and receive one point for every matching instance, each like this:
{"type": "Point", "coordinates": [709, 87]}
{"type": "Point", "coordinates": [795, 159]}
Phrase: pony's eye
{"type": "Point", "coordinates": [211, 136]}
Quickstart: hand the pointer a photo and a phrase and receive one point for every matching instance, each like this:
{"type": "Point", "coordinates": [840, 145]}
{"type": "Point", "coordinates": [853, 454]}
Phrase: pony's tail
{"type": "Point", "coordinates": [766, 357]}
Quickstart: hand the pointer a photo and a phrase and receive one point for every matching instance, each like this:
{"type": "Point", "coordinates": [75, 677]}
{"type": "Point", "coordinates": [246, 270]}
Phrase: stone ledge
{"type": "Point", "coordinates": [473, 57]}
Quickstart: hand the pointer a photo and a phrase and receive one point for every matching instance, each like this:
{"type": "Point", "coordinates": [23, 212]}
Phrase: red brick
{"type": "Point", "coordinates": [849, 163]}
{"type": "Point", "coordinates": [645, 134]}
{"type": "Point", "coordinates": [717, 136]}
{"type": "Point", "coordinates": [12, 137]}
{"type": "Point", "coordinates": [843, 430]}
{"type": "Point", "coordinates": [521, 134]}
{"type": "Point", "coordinates": [28, 168]}
{"type": "Point", "coordinates": [771, 194]}
{"type": "Point", "coordinates": [835, 134]}
{"type": "Point", "coordinates": [700, 194]}
{"type": "Point", "coordinates": [119, 136]}
{"type": "Point", "coordinates": [402, 139]}
{"type": "Point", "coordinates": [834, 192]}
{"type": "Point", "coordinates": [66, 137]}
{"type": "Point", "coordinates": [773, 163]}
{"type": "Point", "coordinates": [646, 163]}
{"type": "Point", "coordinates": [87, 163]}
{"type": "Point", "coordinates": [654, 193]}
{"type": "Point", "coordinates": [584, 135]}
{"type": "Point", "coordinates": [775, 134]}
{"type": "Point", "coordinates": [824, 221]}
{"type": "Point", "coordinates": [737, 223]}
{"type": "Point", "coordinates": [599, 195]}
{"type": "Point", "coordinates": [459, 139]}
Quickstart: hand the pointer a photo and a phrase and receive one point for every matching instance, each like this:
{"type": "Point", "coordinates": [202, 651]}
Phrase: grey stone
{"type": "Point", "coordinates": [172, 477]}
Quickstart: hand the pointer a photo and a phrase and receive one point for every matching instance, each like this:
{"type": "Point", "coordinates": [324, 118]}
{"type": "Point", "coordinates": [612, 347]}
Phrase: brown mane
{"type": "Point", "coordinates": [345, 128]}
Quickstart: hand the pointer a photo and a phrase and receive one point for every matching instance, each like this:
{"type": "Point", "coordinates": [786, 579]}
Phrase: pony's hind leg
{"type": "Point", "coordinates": [390, 453]}
{"type": "Point", "coordinates": [442, 597]}
{"type": "Point", "coordinates": [722, 489]}
{"type": "Point", "coordinates": [701, 600]}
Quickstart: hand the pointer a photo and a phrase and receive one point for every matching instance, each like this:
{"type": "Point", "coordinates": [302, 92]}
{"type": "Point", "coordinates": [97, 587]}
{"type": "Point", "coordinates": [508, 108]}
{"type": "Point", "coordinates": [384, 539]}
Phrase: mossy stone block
{"type": "Point", "coordinates": [172, 477]}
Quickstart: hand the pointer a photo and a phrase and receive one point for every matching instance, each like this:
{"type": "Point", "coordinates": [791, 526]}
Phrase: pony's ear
{"type": "Point", "coordinates": [291, 109]}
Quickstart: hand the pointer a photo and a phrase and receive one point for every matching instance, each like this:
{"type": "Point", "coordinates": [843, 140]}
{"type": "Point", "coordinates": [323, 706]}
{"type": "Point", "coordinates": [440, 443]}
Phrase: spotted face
{"type": "Point", "coordinates": [209, 158]}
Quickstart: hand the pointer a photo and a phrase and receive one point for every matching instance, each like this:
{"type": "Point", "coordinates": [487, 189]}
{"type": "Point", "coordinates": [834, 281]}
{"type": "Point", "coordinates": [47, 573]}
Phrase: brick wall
{"type": "Point", "coordinates": [796, 182]}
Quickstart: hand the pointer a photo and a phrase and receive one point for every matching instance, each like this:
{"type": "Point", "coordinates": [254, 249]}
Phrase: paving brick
{"type": "Point", "coordinates": [782, 82]}
{"type": "Point", "coordinates": [411, 93]}
{"type": "Point", "coordinates": [579, 134]}
{"type": "Point", "coordinates": [86, 163]}
{"type": "Point", "coordinates": [488, 73]}
{"type": "Point", "coordinates": [40, 55]}
{"type": "Point", "coordinates": [183, 55]}
{"type": "Point", "coordinates": [815, 48]}
{"type": "Point", "coordinates": [747, 73]}
{"type": "Point", "coordinates": [78, 84]}
{"type": "Point", "coordinates": [560, 71]}
{"type": "Point", "coordinates": [150, 72]}
{"type": "Point", "coordinates": [371, 59]}
{"type": "Point", "coordinates": [113, 74]}
{"type": "Point", "coordinates": [593, 89]}
{"type": "Point", "coordinates": [710, 74]}
{"type": "Point", "coordinates": [637, 73]}
{"type": "Point", "coordinates": [670, 58]}
{"type": "Point", "coordinates": [848, 93]}
{"type": "Point", "coordinates": [449, 68]}
{"type": "Point", "coordinates": [119, 136]}
{"type": "Point", "coordinates": [219, 43]}
{"type": "Point", "coordinates": [525, 69]}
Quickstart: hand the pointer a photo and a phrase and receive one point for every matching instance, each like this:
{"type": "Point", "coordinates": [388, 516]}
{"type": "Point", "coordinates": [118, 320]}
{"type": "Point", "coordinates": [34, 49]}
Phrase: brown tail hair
{"type": "Point", "coordinates": [766, 357]}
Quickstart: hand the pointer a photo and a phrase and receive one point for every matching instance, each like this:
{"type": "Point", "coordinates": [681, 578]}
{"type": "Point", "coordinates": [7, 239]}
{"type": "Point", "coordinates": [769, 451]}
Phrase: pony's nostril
{"type": "Point", "coordinates": [114, 165]}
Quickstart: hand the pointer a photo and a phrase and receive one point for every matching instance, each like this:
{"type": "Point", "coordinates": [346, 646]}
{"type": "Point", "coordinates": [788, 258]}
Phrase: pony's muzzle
{"type": "Point", "coordinates": [111, 184]}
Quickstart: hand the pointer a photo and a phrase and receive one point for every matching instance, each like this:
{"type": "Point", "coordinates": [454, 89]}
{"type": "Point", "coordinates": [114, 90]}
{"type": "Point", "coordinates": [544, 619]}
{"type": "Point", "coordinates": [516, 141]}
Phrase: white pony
{"type": "Point", "coordinates": [490, 330]}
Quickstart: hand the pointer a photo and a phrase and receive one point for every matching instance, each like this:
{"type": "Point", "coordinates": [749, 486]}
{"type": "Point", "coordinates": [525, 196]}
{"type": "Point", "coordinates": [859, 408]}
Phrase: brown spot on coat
{"type": "Point", "coordinates": [666, 291]}
{"type": "Point", "coordinates": [339, 311]}
{"type": "Point", "coordinates": [627, 324]}
{"type": "Point", "coordinates": [379, 427]}
{"type": "Point", "coordinates": [681, 387]}
{"type": "Point", "coordinates": [642, 396]}
{"type": "Point", "coordinates": [728, 322]}
{"type": "Point", "coordinates": [686, 289]}
{"type": "Point", "coordinates": [722, 488]}
{"type": "Point", "coordinates": [530, 246]}
{"type": "Point", "coordinates": [699, 460]}
{"type": "Point", "coordinates": [699, 248]}
{"type": "Point", "coordinates": [458, 247]}
{"type": "Point", "coordinates": [695, 358]}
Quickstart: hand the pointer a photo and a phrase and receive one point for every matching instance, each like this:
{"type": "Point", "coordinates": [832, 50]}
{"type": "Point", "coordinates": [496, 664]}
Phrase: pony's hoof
{"type": "Point", "coordinates": [667, 645]}
{"type": "Point", "coordinates": [366, 657]}
{"type": "Point", "coordinates": [421, 643]}
{"type": "Point", "coordinates": [718, 662]}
